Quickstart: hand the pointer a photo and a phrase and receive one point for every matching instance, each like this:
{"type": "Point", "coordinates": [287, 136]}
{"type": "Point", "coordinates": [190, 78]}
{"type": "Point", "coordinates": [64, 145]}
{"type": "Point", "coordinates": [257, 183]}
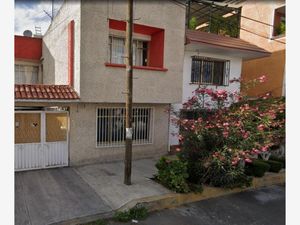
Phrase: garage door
{"type": "Point", "coordinates": [41, 140]}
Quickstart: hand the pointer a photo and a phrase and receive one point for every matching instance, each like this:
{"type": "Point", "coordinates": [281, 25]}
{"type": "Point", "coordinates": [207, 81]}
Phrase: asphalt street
{"type": "Point", "coordinates": [264, 206]}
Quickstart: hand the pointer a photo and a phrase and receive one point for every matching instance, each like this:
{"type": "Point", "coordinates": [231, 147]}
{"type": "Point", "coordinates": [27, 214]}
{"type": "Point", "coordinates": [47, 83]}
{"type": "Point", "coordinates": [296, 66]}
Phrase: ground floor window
{"type": "Point", "coordinates": [111, 126]}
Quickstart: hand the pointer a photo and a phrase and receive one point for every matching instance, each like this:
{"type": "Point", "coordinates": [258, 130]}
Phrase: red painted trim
{"type": "Point", "coordinates": [156, 45]}
{"type": "Point", "coordinates": [136, 67]}
{"type": "Point", "coordinates": [156, 49]}
{"type": "Point", "coordinates": [137, 28]}
{"type": "Point", "coordinates": [71, 53]}
{"type": "Point", "coordinates": [28, 48]}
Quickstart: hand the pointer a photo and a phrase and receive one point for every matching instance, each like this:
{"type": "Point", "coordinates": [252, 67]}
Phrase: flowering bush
{"type": "Point", "coordinates": [229, 128]}
{"type": "Point", "coordinates": [173, 174]}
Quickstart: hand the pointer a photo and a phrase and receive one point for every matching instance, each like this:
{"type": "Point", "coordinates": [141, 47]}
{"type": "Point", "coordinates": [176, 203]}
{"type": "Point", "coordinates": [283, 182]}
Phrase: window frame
{"type": "Point", "coordinates": [272, 33]}
{"type": "Point", "coordinates": [136, 41]}
{"type": "Point", "coordinates": [27, 68]}
{"type": "Point", "coordinates": [134, 142]}
{"type": "Point", "coordinates": [226, 70]}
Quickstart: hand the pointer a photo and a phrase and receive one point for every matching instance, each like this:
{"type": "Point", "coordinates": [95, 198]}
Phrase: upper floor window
{"type": "Point", "coordinates": [117, 51]}
{"type": "Point", "coordinates": [26, 74]}
{"type": "Point", "coordinates": [209, 71]}
{"type": "Point", "coordinates": [279, 21]}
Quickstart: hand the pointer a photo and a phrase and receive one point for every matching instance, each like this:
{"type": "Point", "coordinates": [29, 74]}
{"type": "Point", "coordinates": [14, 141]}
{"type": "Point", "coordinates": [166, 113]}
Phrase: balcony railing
{"type": "Point", "coordinates": [214, 17]}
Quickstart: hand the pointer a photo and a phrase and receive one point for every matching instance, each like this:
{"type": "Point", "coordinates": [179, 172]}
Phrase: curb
{"type": "Point", "coordinates": [165, 201]}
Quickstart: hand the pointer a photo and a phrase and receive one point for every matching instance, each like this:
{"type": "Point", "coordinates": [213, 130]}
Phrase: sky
{"type": "Point", "coordinates": [30, 13]}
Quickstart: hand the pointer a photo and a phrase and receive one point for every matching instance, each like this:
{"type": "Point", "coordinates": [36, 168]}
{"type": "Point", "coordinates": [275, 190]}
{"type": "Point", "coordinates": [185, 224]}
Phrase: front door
{"type": "Point", "coordinates": [41, 139]}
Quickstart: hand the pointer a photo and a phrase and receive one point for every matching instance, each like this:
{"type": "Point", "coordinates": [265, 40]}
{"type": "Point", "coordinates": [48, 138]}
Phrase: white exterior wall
{"type": "Point", "coordinates": [100, 83]}
{"type": "Point", "coordinates": [188, 87]}
{"type": "Point", "coordinates": [55, 46]}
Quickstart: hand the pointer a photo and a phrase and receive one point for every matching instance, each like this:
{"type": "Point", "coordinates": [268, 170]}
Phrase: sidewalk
{"type": "Point", "coordinates": [107, 180]}
{"type": "Point", "coordinates": [76, 195]}
{"type": "Point", "coordinates": [66, 195]}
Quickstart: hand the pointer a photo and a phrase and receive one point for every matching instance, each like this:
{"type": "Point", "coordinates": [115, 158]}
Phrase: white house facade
{"type": "Point", "coordinates": [212, 61]}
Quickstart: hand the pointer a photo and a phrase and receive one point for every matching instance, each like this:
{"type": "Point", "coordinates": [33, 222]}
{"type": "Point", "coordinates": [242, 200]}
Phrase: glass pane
{"type": "Point", "coordinates": [117, 55]}
{"type": "Point", "coordinates": [196, 70]}
{"type": "Point", "coordinates": [19, 74]}
{"type": "Point", "coordinates": [27, 128]}
{"type": "Point", "coordinates": [56, 127]}
{"type": "Point", "coordinates": [207, 72]}
{"type": "Point", "coordinates": [219, 73]}
{"type": "Point", "coordinates": [26, 74]}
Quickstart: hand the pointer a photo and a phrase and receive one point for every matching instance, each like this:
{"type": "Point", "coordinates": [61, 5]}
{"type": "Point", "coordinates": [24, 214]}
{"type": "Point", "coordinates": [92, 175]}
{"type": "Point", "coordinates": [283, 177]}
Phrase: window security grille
{"type": "Point", "coordinates": [111, 126]}
{"type": "Point", "coordinates": [210, 71]}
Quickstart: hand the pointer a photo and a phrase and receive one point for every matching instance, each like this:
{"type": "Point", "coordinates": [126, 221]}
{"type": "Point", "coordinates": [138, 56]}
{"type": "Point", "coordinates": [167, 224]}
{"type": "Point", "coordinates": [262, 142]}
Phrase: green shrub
{"type": "Point", "coordinates": [227, 176]}
{"type": "Point", "coordinates": [195, 171]}
{"type": "Point", "coordinates": [257, 168]}
{"type": "Point", "coordinates": [274, 166]}
{"type": "Point", "coordinates": [278, 159]}
{"type": "Point", "coordinates": [173, 174]}
{"type": "Point", "coordinates": [136, 213]}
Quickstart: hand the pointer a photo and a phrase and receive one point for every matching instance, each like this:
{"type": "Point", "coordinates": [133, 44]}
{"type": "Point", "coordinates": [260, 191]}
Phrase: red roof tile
{"type": "Point", "coordinates": [44, 92]}
{"type": "Point", "coordinates": [194, 36]}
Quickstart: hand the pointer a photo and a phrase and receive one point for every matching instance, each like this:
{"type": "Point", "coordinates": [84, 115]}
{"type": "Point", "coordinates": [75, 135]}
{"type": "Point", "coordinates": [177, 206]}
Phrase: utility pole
{"type": "Point", "coordinates": [128, 59]}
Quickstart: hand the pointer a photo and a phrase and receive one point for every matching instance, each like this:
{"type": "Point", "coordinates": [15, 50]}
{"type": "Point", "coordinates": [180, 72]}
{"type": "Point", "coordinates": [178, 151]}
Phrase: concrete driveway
{"type": "Point", "coordinates": [64, 194]}
{"type": "Point", "coordinates": [49, 196]}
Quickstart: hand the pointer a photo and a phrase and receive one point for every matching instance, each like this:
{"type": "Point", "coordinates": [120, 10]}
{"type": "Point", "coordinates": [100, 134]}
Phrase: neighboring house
{"type": "Point", "coordinates": [263, 24]}
{"type": "Point", "coordinates": [212, 60]}
{"type": "Point", "coordinates": [74, 111]}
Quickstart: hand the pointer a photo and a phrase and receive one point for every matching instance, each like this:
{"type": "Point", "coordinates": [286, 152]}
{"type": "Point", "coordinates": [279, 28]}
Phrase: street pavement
{"type": "Point", "coordinates": [264, 206]}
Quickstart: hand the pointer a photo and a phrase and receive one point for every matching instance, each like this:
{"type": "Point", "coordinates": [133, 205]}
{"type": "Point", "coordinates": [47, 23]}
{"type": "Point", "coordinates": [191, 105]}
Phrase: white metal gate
{"type": "Point", "coordinates": [41, 139]}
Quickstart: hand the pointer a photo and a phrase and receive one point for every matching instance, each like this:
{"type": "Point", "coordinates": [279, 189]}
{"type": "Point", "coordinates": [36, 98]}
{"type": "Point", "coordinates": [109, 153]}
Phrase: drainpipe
{"type": "Point", "coordinates": [71, 53]}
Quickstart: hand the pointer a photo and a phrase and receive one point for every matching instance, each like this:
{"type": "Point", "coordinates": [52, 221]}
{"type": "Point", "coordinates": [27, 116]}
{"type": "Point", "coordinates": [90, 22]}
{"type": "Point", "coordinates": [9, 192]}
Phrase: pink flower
{"type": "Point", "coordinates": [264, 149]}
{"type": "Point", "coordinates": [255, 151]}
{"type": "Point", "coordinates": [209, 91]}
{"type": "Point", "coordinates": [225, 134]}
{"type": "Point", "coordinates": [260, 127]}
{"type": "Point", "coordinates": [245, 135]}
{"type": "Point", "coordinates": [234, 162]}
{"type": "Point", "coordinates": [262, 79]}
{"type": "Point", "coordinates": [178, 149]}
{"type": "Point", "coordinates": [248, 160]}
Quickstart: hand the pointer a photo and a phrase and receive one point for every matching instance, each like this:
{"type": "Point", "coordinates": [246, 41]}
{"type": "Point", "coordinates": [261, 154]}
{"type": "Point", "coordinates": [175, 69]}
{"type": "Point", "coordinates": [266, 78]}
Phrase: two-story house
{"type": "Point", "coordinates": [73, 111]}
{"type": "Point", "coordinates": [211, 56]}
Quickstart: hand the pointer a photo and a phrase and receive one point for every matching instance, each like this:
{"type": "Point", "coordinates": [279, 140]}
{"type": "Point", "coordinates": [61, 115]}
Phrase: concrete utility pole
{"type": "Point", "coordinates": [128, 59]}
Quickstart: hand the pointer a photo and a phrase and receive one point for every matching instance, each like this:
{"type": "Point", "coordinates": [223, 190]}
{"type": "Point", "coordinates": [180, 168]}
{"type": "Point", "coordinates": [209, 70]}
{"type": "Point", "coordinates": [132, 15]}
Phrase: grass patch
{"type": "Point", "coordinates": [135, 213]}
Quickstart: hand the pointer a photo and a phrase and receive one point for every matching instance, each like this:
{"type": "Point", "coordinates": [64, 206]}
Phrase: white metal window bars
{"type": "Point", "coordinates": [210, 71]}
{"type": "Point", "coordinates": [111, 126]}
